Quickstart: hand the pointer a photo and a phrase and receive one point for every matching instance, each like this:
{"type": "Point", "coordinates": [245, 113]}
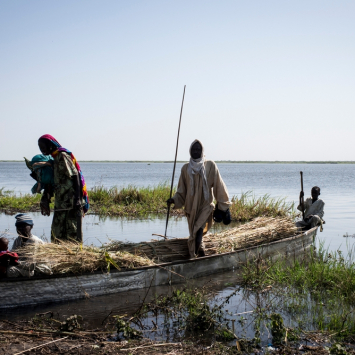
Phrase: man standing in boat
{"type": "Point", "coordinates": [313, 210]}
{"type": "Point", "coordinates": [200, 182]}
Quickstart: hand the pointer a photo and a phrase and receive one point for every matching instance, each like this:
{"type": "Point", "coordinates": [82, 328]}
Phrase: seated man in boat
{"type": "Point", "coordinates": [200, 182]}
{"type": "Point", "coordinates": [313, 210]}
{"type": "Point", "coordinates": [25, 266]}
{"type": "Point", "coordinates": [24, 225]}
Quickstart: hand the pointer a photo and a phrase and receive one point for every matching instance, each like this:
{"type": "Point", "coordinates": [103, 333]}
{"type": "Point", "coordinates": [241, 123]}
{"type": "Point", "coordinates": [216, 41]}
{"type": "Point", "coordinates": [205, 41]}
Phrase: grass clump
{"type": "Point", "coordinates": [317, 292]}
{"type": "Point", "coordinates": [247, 207]}
{"type": "Point", "coordinates": [130, 200]}
{"type": "Point", "coordinates": [12, 203]}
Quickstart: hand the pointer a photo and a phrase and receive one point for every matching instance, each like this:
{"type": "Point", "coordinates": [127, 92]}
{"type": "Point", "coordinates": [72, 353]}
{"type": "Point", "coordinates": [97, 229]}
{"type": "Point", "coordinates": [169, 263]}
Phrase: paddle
{"type": "Point", "coordinates": [176, 151]}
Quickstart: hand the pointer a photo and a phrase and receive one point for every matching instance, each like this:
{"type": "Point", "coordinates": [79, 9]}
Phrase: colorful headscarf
{"type": "Point", "coordinates": [82, 180]}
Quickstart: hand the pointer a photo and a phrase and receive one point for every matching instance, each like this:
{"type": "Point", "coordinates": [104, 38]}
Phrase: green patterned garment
{"type": "Point", "coordinates": [64, 225]}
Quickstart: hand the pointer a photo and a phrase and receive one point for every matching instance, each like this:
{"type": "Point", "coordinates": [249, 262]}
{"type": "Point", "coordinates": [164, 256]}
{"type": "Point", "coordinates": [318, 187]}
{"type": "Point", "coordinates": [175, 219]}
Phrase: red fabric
{"type": "Point", "coordinates": [13, 257]}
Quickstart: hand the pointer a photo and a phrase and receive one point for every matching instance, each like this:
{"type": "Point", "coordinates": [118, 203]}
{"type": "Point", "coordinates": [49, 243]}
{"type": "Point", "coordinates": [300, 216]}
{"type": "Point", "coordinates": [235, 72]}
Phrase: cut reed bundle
{"type": "Point", "coordinates": [260, 230]}
{"type": "Point", "coordinates": [68, 257]}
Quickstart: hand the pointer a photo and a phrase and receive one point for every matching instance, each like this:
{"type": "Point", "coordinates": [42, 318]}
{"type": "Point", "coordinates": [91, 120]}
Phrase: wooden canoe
{"type": "Point", "coordinates": [19, 292]}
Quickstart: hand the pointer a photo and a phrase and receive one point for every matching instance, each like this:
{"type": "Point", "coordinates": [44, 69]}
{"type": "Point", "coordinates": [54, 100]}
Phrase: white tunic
{"type": "Point", "coordinates": [315, 209]}
{"type": "Point", "coordinates": [19, 244]}
{"type": "Point", "coordinates": [198, 210]}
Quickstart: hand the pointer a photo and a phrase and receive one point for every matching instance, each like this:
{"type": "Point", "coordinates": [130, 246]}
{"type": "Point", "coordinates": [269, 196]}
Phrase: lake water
{"type": "Point", "coordinates": [279, 180]}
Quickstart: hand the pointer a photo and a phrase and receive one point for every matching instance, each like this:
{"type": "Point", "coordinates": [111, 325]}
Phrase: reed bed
{"type": "Point", "coordinates": [259, 231]}
{"type": "Point", "coordinates": [133, 201]}
{"type": "Point", "coordinates": [11, 203]}
{"type": "Point", "coordinates": [246, 207]}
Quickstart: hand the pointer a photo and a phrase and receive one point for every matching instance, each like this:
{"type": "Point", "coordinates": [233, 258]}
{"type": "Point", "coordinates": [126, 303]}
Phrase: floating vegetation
{"type": "Point", "coordinates": [247, 206]}
{"type": "Point", "coordinates": [11, 203]}
{"type": "Point", "coordinates": [133, 201]}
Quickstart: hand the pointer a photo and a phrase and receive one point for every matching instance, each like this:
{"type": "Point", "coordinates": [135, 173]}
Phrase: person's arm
{"type": "Point", "coordinates": [73, 174]}
{"type": "Point", "coordinates": [180, 194]}
{"type": "Point", "coordinates": [46, 200]}
{"type": "Point", "coordinates": [299, 207]}
{"type": "Point", "coordinates": [17, 244]}
{"type": "Point", "coordinates": [77, 191]}
{"type": "Point", "coordinates": [320, 211]}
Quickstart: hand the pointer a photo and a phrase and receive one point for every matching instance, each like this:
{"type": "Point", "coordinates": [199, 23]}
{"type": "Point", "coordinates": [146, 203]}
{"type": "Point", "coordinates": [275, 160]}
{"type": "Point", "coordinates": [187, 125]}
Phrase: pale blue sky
{"type": "Point", "coordinates": [266, 80]}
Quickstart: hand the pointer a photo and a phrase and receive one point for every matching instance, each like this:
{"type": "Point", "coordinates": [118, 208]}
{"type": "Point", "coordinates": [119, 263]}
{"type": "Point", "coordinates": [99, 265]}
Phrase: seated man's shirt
{"type": "Point", "coordinates": [315, 209]}
{"type": "Point", "coordinates": [18, 243]}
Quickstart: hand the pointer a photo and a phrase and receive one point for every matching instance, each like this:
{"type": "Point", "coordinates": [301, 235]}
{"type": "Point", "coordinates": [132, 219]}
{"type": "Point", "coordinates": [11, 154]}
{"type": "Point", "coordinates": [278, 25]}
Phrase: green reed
{"type": "Point", "coordinates": [247, 207]}
{"type": "Point", "coordinates": [316, 291]}
{"type": "Point", "coordinates": [12, 203]}
{"type": "Point", "coordinates": [133, 201]}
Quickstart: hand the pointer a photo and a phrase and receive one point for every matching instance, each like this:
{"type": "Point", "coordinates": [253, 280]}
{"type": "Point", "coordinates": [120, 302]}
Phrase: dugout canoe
{"type": "Point", "coordinates": [19, 292]}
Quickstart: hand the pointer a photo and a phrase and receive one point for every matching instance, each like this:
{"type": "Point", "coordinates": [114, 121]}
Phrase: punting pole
{"type": "Point", "coordinates": [176, 151]}
{"type": "Point", "coordinates": [302, 198]}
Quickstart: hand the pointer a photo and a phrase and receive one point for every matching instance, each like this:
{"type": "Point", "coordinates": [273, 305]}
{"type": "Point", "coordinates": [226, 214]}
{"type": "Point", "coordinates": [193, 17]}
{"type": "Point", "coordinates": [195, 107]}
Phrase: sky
{"type": "Point", "coordinates": [265, 80]}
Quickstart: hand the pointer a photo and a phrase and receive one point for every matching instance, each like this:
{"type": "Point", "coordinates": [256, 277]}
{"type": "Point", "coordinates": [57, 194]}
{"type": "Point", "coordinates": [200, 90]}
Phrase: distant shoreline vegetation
{"type": "Point", "coordinates": [133, 201]}
{"type": "Point", "coordinates": [217, 161]}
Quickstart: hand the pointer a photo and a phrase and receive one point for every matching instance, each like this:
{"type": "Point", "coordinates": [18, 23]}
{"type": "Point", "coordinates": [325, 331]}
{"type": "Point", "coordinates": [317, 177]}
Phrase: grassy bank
{"type": "Point", "coordinates": [132, 201]}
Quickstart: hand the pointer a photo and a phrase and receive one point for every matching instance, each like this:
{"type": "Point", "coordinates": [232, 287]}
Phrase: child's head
{"type": "Point", "coordinates": [315, 192]}
{"type": "Point", "coordinates": [4, 244]}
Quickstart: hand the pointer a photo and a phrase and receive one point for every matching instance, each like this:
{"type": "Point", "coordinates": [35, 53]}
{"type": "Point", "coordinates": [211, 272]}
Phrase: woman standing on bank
{"type": "Point", "coordinates": [70, 193]}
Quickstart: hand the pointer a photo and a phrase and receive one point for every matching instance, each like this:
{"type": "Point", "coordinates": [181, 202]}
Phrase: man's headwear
{"type": "Point", "coordinates": [197, 166]}
{"type": "Point", "coordinates": [82, 180]}
{"type": "Point", "coordinates": [23, 218]}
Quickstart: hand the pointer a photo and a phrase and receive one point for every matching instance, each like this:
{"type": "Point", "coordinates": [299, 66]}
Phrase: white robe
{"type": "Point", "coordinates": [315, 209]}
{"type": "Point", "coordinates": [198, 211]}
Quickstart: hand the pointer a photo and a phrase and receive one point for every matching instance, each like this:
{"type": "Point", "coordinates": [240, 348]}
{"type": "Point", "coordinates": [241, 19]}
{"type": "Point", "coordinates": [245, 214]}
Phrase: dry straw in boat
{"type": "Point", "coordinates": [260, 230]}
{"type": "Point", "coordinates": [68, 257]}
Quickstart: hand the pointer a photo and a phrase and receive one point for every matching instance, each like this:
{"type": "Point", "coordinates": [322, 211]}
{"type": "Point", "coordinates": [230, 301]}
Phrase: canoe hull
{"type": "Point", "coordinates": [26, 292]}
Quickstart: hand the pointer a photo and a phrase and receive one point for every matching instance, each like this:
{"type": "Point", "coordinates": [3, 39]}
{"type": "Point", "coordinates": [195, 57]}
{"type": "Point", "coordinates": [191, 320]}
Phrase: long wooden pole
{"type": "Point", "coordinates": [176, 151]}
{"type": "Point", "coordinates": [302, 198]}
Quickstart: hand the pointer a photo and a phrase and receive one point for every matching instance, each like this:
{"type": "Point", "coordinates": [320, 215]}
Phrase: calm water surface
{"type": "Point", "coordinates": [279, 180]}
